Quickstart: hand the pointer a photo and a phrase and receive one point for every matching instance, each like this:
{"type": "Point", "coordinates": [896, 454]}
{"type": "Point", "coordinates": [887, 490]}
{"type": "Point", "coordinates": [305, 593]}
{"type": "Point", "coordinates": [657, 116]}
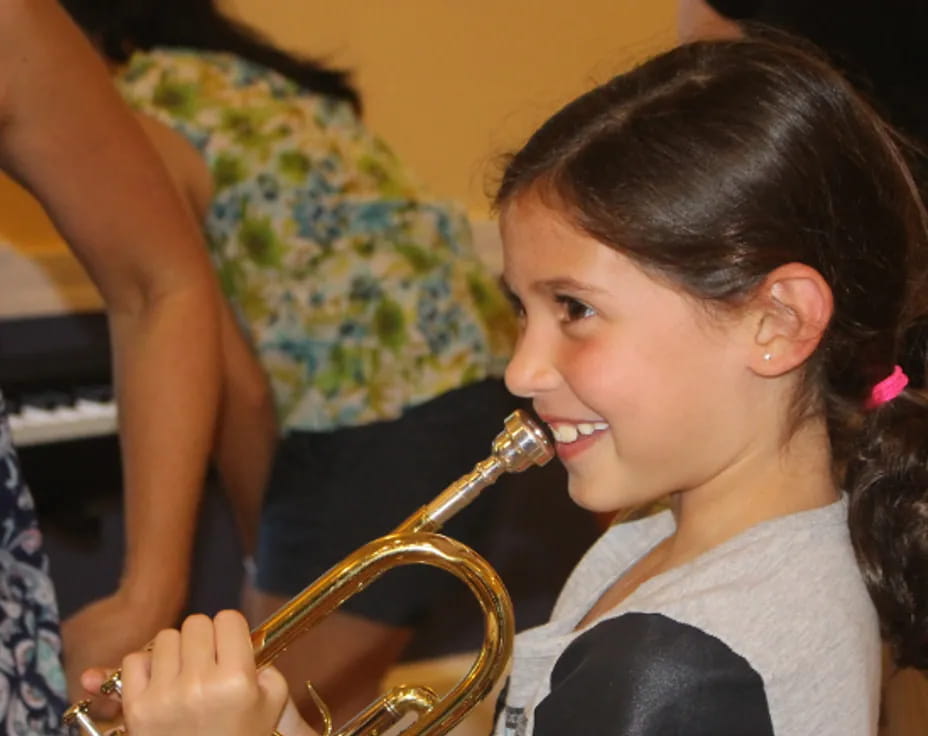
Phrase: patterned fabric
{"type": "Point", "coordinates": [32, 685]}
{"type": "Point", "coordinates": [362, 296]}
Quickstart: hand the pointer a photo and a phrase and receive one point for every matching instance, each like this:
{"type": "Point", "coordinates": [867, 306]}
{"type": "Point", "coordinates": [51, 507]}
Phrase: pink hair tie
{"type": "Point", "coordinates": [888, 389]}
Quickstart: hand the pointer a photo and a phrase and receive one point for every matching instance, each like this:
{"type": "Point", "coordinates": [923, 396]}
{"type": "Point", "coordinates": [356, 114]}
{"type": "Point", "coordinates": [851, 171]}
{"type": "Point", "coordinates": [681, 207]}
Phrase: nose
{"type": "Point", "coordinates": [531, 370]}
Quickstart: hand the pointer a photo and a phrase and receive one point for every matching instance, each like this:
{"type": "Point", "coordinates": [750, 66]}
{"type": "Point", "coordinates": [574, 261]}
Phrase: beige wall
{"type": "Point", "coordinates": [451, 84]}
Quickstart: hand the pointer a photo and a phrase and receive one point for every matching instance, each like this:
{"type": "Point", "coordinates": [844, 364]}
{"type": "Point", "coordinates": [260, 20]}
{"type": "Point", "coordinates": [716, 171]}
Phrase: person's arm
{"type": "Point", "coordinates": [65, 134]}
{"type": "Point", "coordinates": [708, 19]}
{"type": "Point", "coordinates": [247, 433]}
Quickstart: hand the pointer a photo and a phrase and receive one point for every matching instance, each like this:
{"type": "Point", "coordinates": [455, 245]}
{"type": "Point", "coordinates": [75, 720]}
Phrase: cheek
{"type": "Point", "coordinates": [608, 379]}
{"type": "Point", "coordinates": [649, 376]}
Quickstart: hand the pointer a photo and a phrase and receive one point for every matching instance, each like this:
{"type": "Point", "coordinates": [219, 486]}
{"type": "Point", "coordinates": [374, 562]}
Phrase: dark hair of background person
{"type": "Point", "coordinates": [881, 47]}
{"type": "Point", "coordinates": [121, 26]}
{"type": "Point", "coordinates": [720, 161]}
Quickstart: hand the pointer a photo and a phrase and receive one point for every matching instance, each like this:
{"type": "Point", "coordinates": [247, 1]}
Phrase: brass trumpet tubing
{"type": "Point", "coordinates": [461, 493]}
{"type": "Point", "coordinates": [389, 709]}
{"type": "Point", "coordinates": [366, 565]}
{"type": "Point", "coordinates": [520, 445]}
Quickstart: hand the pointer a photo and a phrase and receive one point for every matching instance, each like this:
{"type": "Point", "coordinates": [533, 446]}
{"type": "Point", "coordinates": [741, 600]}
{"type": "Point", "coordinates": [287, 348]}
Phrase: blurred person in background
{"type": "Point", "coordinates": [68, 138]}
{"type": "Point", "coordinates": [383, 335]}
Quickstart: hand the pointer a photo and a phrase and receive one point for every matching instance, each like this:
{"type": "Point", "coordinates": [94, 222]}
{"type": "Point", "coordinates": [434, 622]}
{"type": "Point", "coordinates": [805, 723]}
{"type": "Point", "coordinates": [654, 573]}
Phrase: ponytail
{"type": "Point", "coordinates": [887, 480]}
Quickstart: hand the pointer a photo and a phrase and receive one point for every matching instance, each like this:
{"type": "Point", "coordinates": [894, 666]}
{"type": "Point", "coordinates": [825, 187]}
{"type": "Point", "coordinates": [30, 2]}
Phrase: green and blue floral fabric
{"type": "Point", "coordinates": [361, 294]}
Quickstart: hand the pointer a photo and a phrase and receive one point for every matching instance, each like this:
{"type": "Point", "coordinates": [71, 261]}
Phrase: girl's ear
{"type": "Point", "coordinates": [792, 307]}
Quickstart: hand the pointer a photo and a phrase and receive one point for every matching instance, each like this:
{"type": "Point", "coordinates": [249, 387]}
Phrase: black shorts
{"type": "Point", "coordinates": [331, 492]}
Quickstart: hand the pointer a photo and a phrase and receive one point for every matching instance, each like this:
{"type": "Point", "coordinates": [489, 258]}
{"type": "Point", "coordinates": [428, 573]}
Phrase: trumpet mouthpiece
{"type": "Point", "coordinates": [522, 443]}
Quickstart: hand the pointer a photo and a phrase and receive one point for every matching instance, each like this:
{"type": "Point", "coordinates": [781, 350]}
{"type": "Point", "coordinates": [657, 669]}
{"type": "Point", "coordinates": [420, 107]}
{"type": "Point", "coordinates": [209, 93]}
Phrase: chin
{"type": "Point", "coordinates": [592, 498]}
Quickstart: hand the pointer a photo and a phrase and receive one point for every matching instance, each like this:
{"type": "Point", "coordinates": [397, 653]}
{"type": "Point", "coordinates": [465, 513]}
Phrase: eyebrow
{"type": "Point", "coordinates": [565, 283]}
{"type": "Point", "coordinates": [555, 285]}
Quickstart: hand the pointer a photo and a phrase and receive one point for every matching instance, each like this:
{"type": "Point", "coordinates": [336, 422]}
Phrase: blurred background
{"type": "Point", "coordinates": [451, 86]}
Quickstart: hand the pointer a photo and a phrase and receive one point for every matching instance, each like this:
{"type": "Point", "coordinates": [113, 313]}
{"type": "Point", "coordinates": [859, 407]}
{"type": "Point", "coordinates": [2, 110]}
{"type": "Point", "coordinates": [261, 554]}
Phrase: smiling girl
{"type": "Point", "coordinates": [715, 258]}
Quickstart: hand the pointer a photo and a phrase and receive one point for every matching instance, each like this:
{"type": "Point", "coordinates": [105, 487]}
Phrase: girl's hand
{"type": "Point", "coordinates": [202, 680]}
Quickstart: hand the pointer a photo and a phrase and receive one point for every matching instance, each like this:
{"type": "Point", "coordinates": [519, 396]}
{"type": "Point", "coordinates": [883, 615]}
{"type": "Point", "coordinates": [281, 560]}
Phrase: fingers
{"type": "Point", "coordinates": [266, 690]}
{"type": "Point", "coordinates": [233, 640]}
{"type": "Point", "coordinates": [165, 661]}
{"type": "Point", "coordinates": [102, 707]}
{"type": "Point", "coordinates": [197, 645]}
{"type": "Point", "coordinates": [202, 675]}
{"type": "Point", "coordinates": [136, 674]}
{"type": "Point", "coordinates": [158, 665]}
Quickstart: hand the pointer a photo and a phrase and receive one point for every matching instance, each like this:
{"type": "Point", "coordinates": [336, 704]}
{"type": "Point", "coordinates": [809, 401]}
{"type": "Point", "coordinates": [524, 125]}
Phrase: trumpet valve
{"type": "Point", "coordinates": [113, 684]}
{"type": "Point", "coordinates": [78, 715]}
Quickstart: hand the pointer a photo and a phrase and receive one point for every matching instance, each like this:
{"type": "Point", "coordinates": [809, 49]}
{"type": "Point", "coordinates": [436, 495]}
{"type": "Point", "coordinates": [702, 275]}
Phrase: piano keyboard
{"type": "Point", "coordinates": [59, 416]}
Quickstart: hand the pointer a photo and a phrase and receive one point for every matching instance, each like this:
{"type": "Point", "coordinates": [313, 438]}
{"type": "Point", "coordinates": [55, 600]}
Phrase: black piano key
{"type": "Point", "coordinates": [47, 399]}
{"type": "Point", "coordinates": [101, 393]}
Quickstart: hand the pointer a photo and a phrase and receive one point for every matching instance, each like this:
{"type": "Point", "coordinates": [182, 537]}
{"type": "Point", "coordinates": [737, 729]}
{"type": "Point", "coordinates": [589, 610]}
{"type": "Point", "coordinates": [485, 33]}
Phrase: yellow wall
{"type": "Point", "coordinates": [451, 84]}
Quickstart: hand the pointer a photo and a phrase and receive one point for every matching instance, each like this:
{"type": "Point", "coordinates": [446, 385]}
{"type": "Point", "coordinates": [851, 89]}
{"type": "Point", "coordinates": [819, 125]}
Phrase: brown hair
{"type": "Point", "coordinates": [719, 161]}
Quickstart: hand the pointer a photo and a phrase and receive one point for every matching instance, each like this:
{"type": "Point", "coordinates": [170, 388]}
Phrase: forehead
{"type": "Point", "coordinates": [540, 243]}
{"type": "Point", "coordinates": [543, 251]}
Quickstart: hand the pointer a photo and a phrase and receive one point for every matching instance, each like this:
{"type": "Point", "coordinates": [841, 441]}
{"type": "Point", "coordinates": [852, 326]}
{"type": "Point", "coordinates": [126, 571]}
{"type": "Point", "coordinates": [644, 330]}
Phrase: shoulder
{"type": "Point", "coordinates": [650, 674]}
{"type": "Point", "coordinates": [17, 15]}
{"type": "Point", "coordinates": [34, 34]}
{"type": "Point", "coordinates": [615, 550]}
{"type": "Point", "coordinates": [794, 574]}
{"type": "Point", "coordinates": [790, 599]}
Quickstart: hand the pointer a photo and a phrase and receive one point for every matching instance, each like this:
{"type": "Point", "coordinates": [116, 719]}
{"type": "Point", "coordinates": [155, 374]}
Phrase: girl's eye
{"type": "Point", "coordinates": [514, 302]}
{"type": "Point", "coordinates": [573, 309]}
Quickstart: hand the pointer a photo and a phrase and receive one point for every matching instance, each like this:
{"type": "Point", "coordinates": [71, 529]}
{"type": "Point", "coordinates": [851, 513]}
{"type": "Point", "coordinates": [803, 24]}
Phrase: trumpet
{"type": "Point", "coordinates": [520, 445]}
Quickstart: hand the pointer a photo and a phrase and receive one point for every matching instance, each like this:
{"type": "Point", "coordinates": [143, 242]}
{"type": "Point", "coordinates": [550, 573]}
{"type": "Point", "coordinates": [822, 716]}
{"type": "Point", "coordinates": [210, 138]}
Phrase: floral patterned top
{"type": "Point", "coordinates": [362, 295]}
{"type": "Point", "coordinates": [32, 685]}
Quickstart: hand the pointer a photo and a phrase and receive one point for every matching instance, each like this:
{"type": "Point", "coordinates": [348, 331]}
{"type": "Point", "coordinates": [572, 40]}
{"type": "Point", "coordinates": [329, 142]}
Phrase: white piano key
{"type": "Point", "coordinates": [36, 416]}
{"type": "Point", "coordinates": [90, 408]}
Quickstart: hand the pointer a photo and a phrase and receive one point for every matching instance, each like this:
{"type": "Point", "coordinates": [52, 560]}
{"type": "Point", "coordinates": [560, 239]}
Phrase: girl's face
{"type": "Point", "coordinates": [645, 393]}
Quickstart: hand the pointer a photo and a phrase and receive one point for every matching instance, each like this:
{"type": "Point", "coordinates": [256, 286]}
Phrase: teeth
{"type": "Point", "coordinates": [568, 433]}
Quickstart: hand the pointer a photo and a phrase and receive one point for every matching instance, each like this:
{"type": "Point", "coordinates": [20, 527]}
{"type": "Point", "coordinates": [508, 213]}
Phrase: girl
{"type": "Point", "coordinates": [715, 257]}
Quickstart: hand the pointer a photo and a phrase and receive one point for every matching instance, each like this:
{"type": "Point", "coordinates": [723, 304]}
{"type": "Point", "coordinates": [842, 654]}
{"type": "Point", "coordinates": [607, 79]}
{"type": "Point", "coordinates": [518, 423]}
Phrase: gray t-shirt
{"type": "Point", "coordinates": [771, 632]}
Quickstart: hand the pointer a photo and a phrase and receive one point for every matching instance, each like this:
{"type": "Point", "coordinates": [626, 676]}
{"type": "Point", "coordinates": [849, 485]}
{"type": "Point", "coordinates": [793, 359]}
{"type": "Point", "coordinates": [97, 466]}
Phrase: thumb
{"type": "Point", "coordinates": [92, 679]}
